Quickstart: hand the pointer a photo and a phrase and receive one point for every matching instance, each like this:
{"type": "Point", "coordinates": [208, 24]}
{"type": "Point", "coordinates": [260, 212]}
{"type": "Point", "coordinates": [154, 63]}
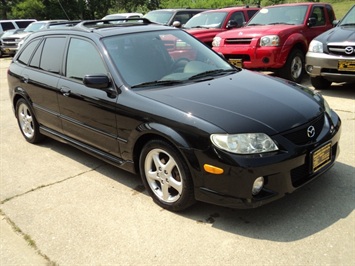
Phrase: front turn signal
{"type": "Point", "coordinates": [213, 169]}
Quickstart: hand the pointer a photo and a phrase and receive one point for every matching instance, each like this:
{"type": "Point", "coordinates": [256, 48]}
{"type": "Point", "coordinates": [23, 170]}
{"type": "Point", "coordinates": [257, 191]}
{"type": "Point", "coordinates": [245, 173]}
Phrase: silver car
{"type": "Point", "coordinates": [331, 55]}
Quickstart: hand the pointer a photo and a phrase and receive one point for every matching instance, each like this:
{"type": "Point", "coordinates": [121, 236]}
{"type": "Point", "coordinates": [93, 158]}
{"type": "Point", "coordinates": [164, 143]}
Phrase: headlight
{"type": "Point", "coordinates": [315, 47]}
{"type": "Point", "coordinates": [270, 40]}
{"type": "Point", "coordinates": [248, 143]}
{"type": "Point", "coordinates": [216, 41]}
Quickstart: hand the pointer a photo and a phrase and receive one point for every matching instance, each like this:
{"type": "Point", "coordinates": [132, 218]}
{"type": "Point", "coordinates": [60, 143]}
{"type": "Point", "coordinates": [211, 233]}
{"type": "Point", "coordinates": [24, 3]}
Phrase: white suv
{"type": "Point", "coordinates": [12, 24]}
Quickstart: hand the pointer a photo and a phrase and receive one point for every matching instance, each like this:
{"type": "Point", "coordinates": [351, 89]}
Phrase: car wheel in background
{"type": "Point", "coordinates": [166, 176]}
{"type": "Point", "coordinates": [294, 68]}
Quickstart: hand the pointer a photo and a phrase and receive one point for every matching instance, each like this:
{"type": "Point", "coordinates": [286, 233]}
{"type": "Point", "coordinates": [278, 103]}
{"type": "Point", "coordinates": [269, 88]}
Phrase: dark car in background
{"type": "Point", "coordinates": [170, 16]}
{"type": "Point", "coordinates": [331, 55]}
{"type": "Point", "coordinates": [194, 129]}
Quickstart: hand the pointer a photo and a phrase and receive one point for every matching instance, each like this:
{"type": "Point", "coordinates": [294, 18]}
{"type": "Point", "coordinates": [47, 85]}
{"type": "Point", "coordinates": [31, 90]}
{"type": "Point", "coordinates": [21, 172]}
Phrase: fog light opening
{"type": "Point", "coordinates": [309, 68]}
{"type": "Point", "coordinates": [258, 185]}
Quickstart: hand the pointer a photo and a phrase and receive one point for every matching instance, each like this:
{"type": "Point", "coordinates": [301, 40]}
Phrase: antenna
{"type": "Point", "coordinates": [63, 10]}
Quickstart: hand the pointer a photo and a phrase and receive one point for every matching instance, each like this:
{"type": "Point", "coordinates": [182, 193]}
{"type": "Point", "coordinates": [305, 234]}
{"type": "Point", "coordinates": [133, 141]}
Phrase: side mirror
{"type": "Point", "coordinates": [177, 24]}
{"type": "Point", "coordinates": [232, 24]}
{"type": "Point", "coordinates": [335, 22]}
{"type": "Point", "coordinates": [97, 81]}
{"type": "Point", "coordinates": [311, 22]}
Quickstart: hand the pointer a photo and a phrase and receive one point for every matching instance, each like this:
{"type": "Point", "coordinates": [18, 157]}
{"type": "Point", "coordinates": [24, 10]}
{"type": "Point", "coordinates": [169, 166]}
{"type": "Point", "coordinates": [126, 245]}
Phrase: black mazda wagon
{"type": "Point", "coordinates": [153, 100]}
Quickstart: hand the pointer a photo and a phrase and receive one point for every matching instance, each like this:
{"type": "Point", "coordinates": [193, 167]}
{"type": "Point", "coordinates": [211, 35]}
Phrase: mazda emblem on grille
{"type": "Point", "coordinates": [349, 50]}
{"type": "Point", "coordinates": [311, 131]}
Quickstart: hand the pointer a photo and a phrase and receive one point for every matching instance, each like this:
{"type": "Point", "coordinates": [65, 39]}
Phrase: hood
{"type": "Point", "coordinates": [243, 102]}
{"type": "Point", "coordinates": [338, 34]}
{"type": "Point", "coordinates": [258, 31]}
{"type": "Point", "coordinates": [204, 34]}
{"type": "Point", "coordinates": [18, 35]}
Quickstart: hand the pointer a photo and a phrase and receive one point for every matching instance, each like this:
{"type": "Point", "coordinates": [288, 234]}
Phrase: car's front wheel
{"type": "Point", "coordinates": [320, 83]}
{"type": "Point", "coordinates": [294, 68]}
{"type": "Point", "coordinates": [27, 122]}
{"type": "Point", "coordinates": [166, 176]}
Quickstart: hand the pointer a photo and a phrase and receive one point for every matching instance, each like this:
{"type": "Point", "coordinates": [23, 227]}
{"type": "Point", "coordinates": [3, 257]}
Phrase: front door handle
{"type": "Point", "coordinates": [65, 91]}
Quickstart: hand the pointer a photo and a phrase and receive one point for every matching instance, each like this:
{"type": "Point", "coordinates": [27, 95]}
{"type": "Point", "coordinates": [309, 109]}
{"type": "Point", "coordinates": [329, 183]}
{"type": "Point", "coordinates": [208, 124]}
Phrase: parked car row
{"type": "Point", "coordinates": [274, 38]}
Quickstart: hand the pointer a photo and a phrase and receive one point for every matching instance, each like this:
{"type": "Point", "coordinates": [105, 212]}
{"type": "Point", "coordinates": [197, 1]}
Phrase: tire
{"type": "Point", "coordinates": [27, 122]}
{"type": "Point", "coordinates": [320, 83]}
{"type": "Point", "coordinates": [294, 68]}
{"type": "Point", "coordinates": [166, 176]}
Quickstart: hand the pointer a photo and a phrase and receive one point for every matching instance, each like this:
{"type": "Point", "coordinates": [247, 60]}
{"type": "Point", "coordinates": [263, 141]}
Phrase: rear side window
{"type": "Point", "coordinates": [7, 26]}
{"type": "Point", "coordinates": [52, 54]}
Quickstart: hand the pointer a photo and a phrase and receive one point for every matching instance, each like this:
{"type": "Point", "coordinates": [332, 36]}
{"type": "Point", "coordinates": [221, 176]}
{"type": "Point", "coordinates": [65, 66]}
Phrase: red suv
{"type": "Point", "coordinates": [204, 26]}
{"type": "Point", "coordinates": [276, 38]}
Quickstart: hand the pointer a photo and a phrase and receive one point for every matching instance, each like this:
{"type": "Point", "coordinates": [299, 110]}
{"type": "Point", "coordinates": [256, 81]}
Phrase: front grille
{"type": "Point", "coordinates": [10, 39]}
{"type": "Point", "coordinates": [238, 41]}
{"type": "Point", "coordinates": [342, 49]}
{"type": "Point", "coordinates": [299, 135]}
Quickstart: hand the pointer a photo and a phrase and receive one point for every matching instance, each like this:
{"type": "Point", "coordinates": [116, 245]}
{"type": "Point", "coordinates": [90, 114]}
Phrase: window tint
{"type": "Point", "coordinates": [52, 54]}
{"type": "Point", "coordinates": [251, 13]}
{"type": "Point", "coordinates": [238, 17]}
{"type": "Point", "coordinates": [318, 14]}
{"type": "Point", "coordinates": [330, 13]}
{"type": "Point", "coordinates": [37, 56]}
{"type": "Point", "coordinates": [7, 26]}
{"type": "Point", "coordinates": [83, 59]}
{"type": "Point", "coordinates": [27, 52]}
{"type": "Point", "coordinates": [23, 24]}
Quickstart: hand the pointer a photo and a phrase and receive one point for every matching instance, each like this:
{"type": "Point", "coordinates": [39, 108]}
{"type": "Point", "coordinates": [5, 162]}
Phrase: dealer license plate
{"type": "Point", "coordinates": [321, 157]}
{"type": "Point", "coordinates": [236, 62]}
{"type": "Point", "coordinates": [346, 65]}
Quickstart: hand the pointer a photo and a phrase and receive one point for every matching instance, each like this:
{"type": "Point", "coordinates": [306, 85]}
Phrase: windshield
{"type": "Point", "coordinates": [161, 17]}
{"type": "Point", "coordinates": [163, 58]}
{"type": "Point", "coordinates": [293, 15]}
{"type": "Point", "coordinates": [206, 20]}
{"type": "Point", "coordinates": [34, 27]}
{"type": "Point", "coordinates": [349, 19]}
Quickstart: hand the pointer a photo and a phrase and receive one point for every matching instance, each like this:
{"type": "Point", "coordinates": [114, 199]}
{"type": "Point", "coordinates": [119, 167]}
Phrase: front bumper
{"type": "Point", "coordinates": [283, 172]}
{"type": "Point", "coordinates": [327, 66]}
{"type": "Point", "coordinates": [253, 57]}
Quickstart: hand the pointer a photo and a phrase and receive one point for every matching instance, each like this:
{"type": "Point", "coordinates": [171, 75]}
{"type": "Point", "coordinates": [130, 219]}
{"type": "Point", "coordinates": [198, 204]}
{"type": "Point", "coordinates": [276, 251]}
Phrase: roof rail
{"type": "Point", "coordinates": [102, 23]}
{"type": "Point", "coordinates": [69, 23]}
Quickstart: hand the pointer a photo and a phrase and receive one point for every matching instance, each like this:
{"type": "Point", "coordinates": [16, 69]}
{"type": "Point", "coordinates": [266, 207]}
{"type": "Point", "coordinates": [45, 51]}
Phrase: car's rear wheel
{"type": "Point", "coordinates": [27, 122]}
{"type": "Point", "coordinates": [320, 83]}
{"type": "Point", "coordinates": [294, 68]}
{"type": "Point", "coordinates": [166, 176]}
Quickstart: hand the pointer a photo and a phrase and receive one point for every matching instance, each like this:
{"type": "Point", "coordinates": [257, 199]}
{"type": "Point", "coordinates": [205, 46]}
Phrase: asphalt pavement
{"type": "Point", "coordinates": [60, 206]}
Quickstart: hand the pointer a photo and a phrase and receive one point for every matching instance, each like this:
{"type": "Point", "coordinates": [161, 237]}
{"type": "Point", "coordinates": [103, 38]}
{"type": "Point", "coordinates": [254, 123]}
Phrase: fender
{"type": "Point", "coordinates": [290, 43]}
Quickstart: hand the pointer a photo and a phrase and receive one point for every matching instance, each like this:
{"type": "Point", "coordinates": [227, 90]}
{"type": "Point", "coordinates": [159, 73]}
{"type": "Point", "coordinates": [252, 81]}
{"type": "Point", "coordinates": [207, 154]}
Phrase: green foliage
{"type": "Point", "coordinates": [28, 9]}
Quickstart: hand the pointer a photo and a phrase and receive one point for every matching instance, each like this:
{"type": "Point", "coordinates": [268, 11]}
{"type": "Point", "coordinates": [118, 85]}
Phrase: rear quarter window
{"type": "Point", "coordinates": [27, 52]}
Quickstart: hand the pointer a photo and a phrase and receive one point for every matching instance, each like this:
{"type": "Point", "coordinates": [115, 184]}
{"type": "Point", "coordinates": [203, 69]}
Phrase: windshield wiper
{"type": "Point", "coordinates": [212, 73]}
{"type": "Point", "coordinates": [278, 23]}
{"type": "Point", "coordinates": [347, 24]}
{"type": "Point", "coordinates": [157, 83]}
{"type": "Point", "coordinates": [255, 24]}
